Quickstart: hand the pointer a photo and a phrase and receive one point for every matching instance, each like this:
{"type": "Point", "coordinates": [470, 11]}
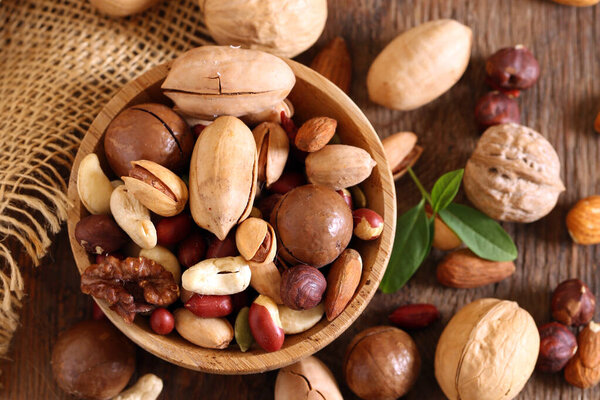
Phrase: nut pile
{"type": "Point", "coordinates": [231, 228]}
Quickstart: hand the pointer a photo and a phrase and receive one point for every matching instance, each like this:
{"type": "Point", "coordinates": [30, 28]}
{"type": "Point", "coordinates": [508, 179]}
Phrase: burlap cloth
{"type": "Point", "coordinates": [60, 62]}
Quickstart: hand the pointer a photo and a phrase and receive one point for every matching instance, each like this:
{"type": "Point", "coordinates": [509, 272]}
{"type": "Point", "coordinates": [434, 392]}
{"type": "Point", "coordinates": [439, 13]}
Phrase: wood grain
{"type": "Point", "coordinates": [562, 106]}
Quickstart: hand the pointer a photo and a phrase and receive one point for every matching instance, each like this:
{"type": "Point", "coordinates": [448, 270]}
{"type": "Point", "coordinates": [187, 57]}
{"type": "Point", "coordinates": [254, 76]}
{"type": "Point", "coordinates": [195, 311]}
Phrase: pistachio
{"type": "Point", "coordinates": [339, 166]}
{"type": "Point", "coordinates": [156, 187]}
{"type": "Point", "coordinates": [93, 186]}
{"type": "Point", "coordinates": [271, 114]}
{"type": "Point", "coordinates": [256, 241]}
{"type": "Point", "coordinates": [266, 280]}
{"type": "Point", "coordinates": [297, 321]}
{"type": "Point", "coordinates": [273, 147]}
{"type": "Point", "coordinates": [223, 176]}
{"type": "Point", "coordinates": [217, 276]}
{"type": "Point", "coordinates": [235, 82]}
{"type": "Point", "coordinates": [401, 151]}
{"type": "Point", "coordinates": [133, 217]}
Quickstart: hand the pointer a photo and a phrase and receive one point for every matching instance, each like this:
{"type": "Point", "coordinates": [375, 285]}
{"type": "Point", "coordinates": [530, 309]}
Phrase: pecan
{"type": "Point", "coordinates": [130, 286]}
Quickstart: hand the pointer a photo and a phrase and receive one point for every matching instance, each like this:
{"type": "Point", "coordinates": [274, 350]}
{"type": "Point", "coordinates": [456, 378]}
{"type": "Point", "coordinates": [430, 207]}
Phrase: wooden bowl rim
{"type": "Point", "coordinates": [220, 360]}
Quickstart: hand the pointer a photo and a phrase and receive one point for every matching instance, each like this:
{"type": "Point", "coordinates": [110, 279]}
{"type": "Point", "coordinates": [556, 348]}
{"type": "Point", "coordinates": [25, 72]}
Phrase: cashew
{"type": "Point", "coordinates": [133, 217]}
{"type": "Point", "coordinates": [217, 276]}
{"type": "Point", "coordinates": [299, 321]}
{"type": "Point", "coordinates": [165, 258]}
{"type": "Point", "coordinates": [148, 387]}
{"type": "Point", "coordinates": [93, 186]}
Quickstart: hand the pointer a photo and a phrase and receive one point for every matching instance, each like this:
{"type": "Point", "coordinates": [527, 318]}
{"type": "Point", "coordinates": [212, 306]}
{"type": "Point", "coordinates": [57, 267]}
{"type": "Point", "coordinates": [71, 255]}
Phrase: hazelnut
{"type": "Point", "coordinates": [151, 132]}
{"type": "Point", "coordinates": [313, 225]}
{"type": "Point", "coordinates": [302, 287]}
{"type": "Point", "coordinates": [573, 303]}
{"type": "Point", "coordinates": [381, 363]}
{"type": "Point", "coordinates": [557, 346]}
{"type": "Point", "coordinates": [512, 68]}
{"type": "Point", "coordinates": [496, 108]}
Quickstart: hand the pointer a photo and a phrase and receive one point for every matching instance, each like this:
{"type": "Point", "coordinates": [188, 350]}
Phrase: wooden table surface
{"type": "Point", "coordinates": [562, 106]}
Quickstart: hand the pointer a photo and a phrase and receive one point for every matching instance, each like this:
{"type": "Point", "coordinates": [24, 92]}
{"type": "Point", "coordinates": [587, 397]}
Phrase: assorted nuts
{"type": "Point", "coordinates": [463, 269]}
{"type": "Point", "coordinates": [583, 221]}
{"type": "Point", "coordinates": [519, 163]}
{"type": "Point", "coordinates": [573, 303]}
{"type": "Point", "coordinates": [475, 355]}
{"type": "Point", "coordinates": [397, 78]}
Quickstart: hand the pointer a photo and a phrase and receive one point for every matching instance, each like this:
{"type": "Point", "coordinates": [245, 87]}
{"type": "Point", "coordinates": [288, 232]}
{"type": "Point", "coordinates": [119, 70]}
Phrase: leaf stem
{"type": "Point", "coordinates": [417, 182]}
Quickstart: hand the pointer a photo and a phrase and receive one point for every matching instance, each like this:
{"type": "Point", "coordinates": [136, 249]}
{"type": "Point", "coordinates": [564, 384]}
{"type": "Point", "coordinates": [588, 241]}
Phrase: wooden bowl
{"type": "Point", "coordinates": [313, 95]}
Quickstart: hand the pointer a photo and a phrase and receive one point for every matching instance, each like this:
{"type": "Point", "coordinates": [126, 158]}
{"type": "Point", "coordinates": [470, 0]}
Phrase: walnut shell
{"type": "Point", "coordinates": [513, 174]}
{"type": "Point", "coordinates": [488, 350]}
{"type": "Point", "coordinates": [283, 27]}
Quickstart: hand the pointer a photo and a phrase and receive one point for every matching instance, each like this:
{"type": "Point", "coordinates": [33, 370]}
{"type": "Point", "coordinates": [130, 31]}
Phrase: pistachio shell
{"type": "Point", "coordinates": [339, 166]}
{"type": "Point", "coordinates": [209, 81]}
{"type": "Point", "coordinates": [482, 345]}
{"type": "Point", "coordinates": [155, 199]}
{"type": "Point", "coordinates": [223, 176]}
{"type": "Point", "coordinates": [249, 237]}
{"type": "Point", "coordinates": [273, 147]}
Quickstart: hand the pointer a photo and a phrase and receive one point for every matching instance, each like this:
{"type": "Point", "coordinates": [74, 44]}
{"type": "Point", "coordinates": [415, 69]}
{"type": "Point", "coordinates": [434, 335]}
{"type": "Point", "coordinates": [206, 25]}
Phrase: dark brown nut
{"type": "Point", "coordinates": [266, 204]}
{"type": "Point", "coordinates": [287, 182]}
{"type": "Point", "coordinates": [172, 230]}
{"type": "Point", "coordinates": [315, 133]}
{"type": "Point", "coordinates": [583, 370]}
{"type": "Point", "coordinates": [302, 287]}
{"type": "Point", "coordinates": [495, 108]}
{"type": "Point", "coordinates": [192, 250]}
{"type": "Point", "coordinates": [92, 359]}
{"type": "Point", "coordinates": [557, 346]}
{"type": "Point", "coordinates": [99, 234]}
{"type": "Point", "coordinates": [512, 68]}
{"type": "Point", "coordinates": [381, 363]}
{"type": "Point", "coordinates": [131, 286]}
{"type": "Point", "coordinates": [313, 225]}
{"type": "Point", "coordinates": [573, 303]}
{"type": "Point", "coordinates": [222, 248]}
{"type": "Point", "coordinates": [148, 132]}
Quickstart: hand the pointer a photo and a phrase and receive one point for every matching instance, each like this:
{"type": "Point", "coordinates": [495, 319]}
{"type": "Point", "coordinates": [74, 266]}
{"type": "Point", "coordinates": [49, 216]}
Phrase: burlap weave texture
{"type": "Point", "coordinates": [60, 63]}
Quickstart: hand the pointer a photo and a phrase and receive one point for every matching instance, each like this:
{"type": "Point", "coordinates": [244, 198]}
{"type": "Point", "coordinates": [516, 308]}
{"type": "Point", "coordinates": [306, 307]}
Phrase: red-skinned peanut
{"type": "Point", "coordinates": [345, 193]}
{"type": "Point", "coordinates": [222, 248]}
{"type": "Point", "coordinates": [368, 225]}
{"type": "Point", "coordinates": [172, 230]}
{"type": "Point", "coordinates": [162, 321]}
{"type": "Point", "coordinates": [206, 306]}
{"type": "Point", "coordinates": [265, 324]}
{"type": "Point", "coordinates": [414, 316]}
{"type": "Point", "coordinates": [192, 250]}
{"type": "Point", "coordinates": [287, 182]}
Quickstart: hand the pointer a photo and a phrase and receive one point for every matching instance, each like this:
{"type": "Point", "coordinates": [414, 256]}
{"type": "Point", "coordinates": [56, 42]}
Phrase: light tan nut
{"type": "Point", "coordinates": [266, 279]}
{"type": "Point", "coordinates": [335, 64]}
{"type": "Point", "coordinates": [122, 8]}
{"type": "Point", "coordinates": [339, 166]}
{"type": "Point", "coordinates": [93, 186]}
{"type": "Point", "coordinates": [148, 387]}
{"type": "Point", "coordinates": [164, 257]}
{"type": "Point", "coordinates": [157, 188]}
{"type": "Point", "coordinates": [443, 237]}
{"type": "Point", "coordinates": [217, 276]}
{"type": "Point", "coordinates": [223, 174]}
{"type": "Point", "coordinates": [420, 65]}
{"type": "Point", "coordinates": [235, 82]}
{"type": "Point", "coordinates": [513, 174]}
{"type": "Point", "coordinates": [583, 221]}
{"type": "Point", "coordinates": [315, 133]}
{"type": "Point", "coordinates": [273, 147]}
{"type": "Point", "coordinates": [342, 281]}
{"type": "Point", "coordinates": [256, 241]}
{"type": "Point", "coordinates": [211, 333]}
{"type": "Point", "coordinates": [306, 380]}
{"type": "Point", "coordinates": [583, 370]}
{"type": "Point", "coordinates": [297, 321]}
{"type": "Point", "coordinates": [401, 151]}
{"type": "Point", "coordinates": [463, 269]}
{"type": "Point", "coordinates": [133, 217]}
{"type": "Point", "coordinates": [271, 114]}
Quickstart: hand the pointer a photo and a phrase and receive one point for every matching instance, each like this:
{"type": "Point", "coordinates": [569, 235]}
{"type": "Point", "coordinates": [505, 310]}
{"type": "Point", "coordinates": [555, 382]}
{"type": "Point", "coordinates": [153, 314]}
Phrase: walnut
{"type": "Point", "coordinates": [513, 174]}
{"type": "Point", "coordinates": [130, 286]}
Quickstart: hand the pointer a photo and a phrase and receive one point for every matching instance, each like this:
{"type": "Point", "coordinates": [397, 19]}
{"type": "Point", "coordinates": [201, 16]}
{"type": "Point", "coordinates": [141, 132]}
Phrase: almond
{"type": "Point", "coordinates": [342, 281]}
{"type": "Point", "coordinates": [583, 370]}
{"type": "Point", "coordinates": [414, 316]}
{"type": "Point", "coordinates": [577, 3]}
{"type": "Point", "coordinates": [315, 133]}
{"type": "Point", "coordinates": [463, 269]}
{"type": "Point", "coordinates": [335, 64]}
{"type": "Point", "coordinates": [583, 221]}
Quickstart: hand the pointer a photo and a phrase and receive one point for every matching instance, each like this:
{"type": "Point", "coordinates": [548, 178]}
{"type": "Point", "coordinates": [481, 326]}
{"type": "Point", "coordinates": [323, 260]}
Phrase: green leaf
{"type": "Point", "coordinates": [445, 189]}
{"type": "Point", "coordinates": [484, 236]}
{"type": "Point", "coordinates": [411, 245]}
